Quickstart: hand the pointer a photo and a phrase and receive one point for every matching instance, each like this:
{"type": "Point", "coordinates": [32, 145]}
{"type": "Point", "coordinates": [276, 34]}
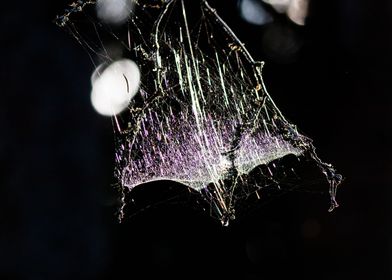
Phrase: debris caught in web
{"type": "Point", "coordinates": [202, 116]}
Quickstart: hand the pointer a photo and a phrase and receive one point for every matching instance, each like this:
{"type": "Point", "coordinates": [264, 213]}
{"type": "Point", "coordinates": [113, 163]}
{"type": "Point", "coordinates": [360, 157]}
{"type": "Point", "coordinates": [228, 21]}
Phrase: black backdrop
{"type": "Point", "coordinates": [56, 156]}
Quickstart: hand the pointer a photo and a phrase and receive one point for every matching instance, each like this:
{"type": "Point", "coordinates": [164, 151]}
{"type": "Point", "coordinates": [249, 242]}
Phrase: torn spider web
{"type": "Point", "coordinates": [202, 116]}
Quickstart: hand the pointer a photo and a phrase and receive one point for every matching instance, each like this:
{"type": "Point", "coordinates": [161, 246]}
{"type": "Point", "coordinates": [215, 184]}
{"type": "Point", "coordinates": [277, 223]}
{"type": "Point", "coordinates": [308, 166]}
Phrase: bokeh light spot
{"type": "Point", "coordinates": [253, 12]}
{"type": "Point", "coordinates": [114, 86]}
{"type": "Point", "coordinates": [114, 11]}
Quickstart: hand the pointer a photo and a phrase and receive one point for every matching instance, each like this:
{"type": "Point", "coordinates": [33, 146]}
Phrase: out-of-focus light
{"type": "Point", "coordinates": [281, 44]}
{"type": "Point", "coordinates": [297, 11]}
{"type": "Point", "coordinates": [113, 87]}
{"type": "Point", "coordinates": [253, 12]}
{"type": "Point", "coordinates": [114, 11]}
{"type": "Point", "coordinates": [280, 6]}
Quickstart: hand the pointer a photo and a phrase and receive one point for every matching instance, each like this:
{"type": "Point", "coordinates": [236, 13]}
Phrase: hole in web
{"type": "Point", "coordinates": [202, 116]}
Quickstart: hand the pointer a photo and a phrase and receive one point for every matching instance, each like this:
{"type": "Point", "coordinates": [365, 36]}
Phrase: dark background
{"type": "Point", "coordinates": [57, 206]}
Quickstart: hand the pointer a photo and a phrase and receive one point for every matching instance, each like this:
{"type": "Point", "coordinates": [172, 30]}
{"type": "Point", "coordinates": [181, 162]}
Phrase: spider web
{"type": "Point", "coordinates": [203, 116]}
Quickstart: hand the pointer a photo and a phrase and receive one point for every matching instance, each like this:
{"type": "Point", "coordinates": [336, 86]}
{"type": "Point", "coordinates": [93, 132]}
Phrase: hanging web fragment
{"type": "Point", "coordinates": [202, 116]}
